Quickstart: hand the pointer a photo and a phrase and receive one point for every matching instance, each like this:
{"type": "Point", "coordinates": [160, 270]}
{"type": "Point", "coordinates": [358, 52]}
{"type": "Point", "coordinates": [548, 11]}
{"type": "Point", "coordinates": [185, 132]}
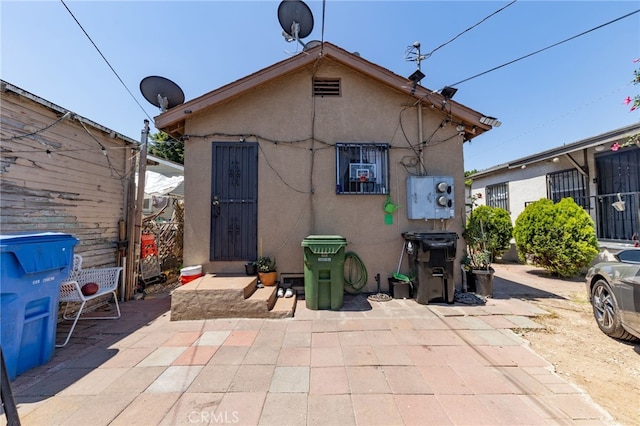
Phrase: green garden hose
{"type": "Point", "coordinates": [355, 273]}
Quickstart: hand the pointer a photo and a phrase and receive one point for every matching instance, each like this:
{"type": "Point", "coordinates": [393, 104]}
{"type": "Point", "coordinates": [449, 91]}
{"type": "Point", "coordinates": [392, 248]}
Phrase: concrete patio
{"type": "Point", "coordinates": [386, 363]}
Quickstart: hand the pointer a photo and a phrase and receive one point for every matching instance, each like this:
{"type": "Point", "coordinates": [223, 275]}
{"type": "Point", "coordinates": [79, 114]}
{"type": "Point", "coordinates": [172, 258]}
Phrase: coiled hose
{"type": "Point", "coordinates": [355, 273]}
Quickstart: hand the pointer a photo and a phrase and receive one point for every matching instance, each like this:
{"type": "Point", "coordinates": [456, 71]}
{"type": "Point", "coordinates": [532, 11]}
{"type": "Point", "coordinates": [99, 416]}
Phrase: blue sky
{"type": "Point", "coordinates": [561, 95]}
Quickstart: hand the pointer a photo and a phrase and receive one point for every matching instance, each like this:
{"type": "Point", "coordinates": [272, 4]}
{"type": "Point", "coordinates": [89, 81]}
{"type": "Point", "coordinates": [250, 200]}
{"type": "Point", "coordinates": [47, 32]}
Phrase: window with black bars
{"type": "Point", "coordinates": [498, 195]}
{"type": "Point", "coordinates": [362, 168]}
{"type": "Point", "coordinates": [568, 183]}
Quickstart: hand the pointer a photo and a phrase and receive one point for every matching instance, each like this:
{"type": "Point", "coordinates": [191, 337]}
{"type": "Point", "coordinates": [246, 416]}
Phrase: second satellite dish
{"type": "Point", "coordinates": [295, 18]}
{"type": "Point", "coordinates": [311, 45]}
{"type": "Point", "coordinates": [161, 92]}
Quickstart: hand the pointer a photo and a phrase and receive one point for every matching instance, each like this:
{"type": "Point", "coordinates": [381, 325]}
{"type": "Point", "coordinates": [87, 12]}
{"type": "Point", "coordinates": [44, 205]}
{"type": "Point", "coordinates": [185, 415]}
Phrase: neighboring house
{"type": "Point", "coordinates": [61, 172]}
{"type": "Point", "coordinates": [592, 173]}
{"type": "Point", "coordinates": [315, 145]}
{"type": "Point", "coordinates": [168, 185]}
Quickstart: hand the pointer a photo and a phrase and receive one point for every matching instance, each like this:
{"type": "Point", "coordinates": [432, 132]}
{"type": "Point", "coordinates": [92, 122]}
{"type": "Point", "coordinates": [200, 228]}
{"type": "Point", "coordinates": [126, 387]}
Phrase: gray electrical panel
{"type": "Point", "coordinates": [430, 197]}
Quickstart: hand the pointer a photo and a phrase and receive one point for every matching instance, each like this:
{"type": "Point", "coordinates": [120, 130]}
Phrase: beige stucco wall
{"type": "Point", "coordinates": [285, 110]}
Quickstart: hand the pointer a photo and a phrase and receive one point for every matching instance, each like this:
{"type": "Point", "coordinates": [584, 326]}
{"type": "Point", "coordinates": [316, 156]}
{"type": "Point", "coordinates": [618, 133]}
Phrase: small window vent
{"type": "Point", "coordinates": [326, 87]}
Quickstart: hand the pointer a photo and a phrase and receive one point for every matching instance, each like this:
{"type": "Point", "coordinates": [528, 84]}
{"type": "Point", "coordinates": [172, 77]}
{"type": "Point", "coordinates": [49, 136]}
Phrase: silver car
{"type": "Point", "coordinates": [614, 292]}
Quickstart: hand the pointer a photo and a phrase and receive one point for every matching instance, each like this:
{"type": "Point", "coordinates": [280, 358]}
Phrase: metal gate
{"type": "Point", "coordinates": [234, 201]}
{"type": "Point", "coordinates": [618, 180]}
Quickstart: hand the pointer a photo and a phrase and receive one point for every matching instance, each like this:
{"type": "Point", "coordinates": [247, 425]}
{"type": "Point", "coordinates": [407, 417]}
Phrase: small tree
{"type": "Point", "coordinates": [559, 237]}
{"type": "Point", "coordinates": [490, 229]}
{"type": "Point", "coordinates": [164, 146]}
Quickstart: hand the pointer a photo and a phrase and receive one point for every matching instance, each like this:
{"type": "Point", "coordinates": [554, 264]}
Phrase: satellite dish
{"type": "Point", "coordinates": [295, 19]}
{"type": "Point", "coordinates": [311, 45]}
{"type": "Point", "coordinates": [161, 92]}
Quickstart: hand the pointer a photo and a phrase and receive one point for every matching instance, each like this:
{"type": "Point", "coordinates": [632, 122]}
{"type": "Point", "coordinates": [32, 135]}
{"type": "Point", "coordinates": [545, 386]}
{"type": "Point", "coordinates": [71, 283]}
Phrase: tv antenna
{"type": "Point", "coordinates": [296, 20]}
{"type": "Point", "coordinates": [161, 92]}
{"type": "Point", "coordinates": [413, 54]}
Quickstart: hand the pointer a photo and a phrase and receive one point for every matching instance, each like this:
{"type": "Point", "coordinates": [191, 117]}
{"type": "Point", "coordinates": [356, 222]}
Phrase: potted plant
{"type": "Point", "coordinates": [267, 270]}
{"type": "Point", "coordinates": [478, 257]}
{"type": "Point", "coordinates": [482, 272]}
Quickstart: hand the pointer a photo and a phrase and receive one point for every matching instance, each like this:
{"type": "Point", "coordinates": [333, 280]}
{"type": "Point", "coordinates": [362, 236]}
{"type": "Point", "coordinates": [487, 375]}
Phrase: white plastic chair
{"type": "Point", "coordinates": [71, 290]}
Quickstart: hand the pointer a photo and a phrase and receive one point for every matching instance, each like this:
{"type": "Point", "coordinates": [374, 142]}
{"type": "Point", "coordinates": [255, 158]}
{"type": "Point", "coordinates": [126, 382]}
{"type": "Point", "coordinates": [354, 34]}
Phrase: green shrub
{"type": "Point", "coordinates": [488, 228]}
{"type": "Point", "coordinates": [559, 237]}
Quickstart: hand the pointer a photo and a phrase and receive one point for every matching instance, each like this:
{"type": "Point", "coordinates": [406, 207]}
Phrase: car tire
{"type": "Point", "coordinates": [606, 312]}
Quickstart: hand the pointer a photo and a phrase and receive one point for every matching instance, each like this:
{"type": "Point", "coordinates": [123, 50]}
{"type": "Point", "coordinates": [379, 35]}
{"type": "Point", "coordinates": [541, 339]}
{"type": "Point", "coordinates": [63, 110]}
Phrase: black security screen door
{"type": "Point", "coordinates": [618, 180]}
{"type": "Point", "coordinates": [234, 189]}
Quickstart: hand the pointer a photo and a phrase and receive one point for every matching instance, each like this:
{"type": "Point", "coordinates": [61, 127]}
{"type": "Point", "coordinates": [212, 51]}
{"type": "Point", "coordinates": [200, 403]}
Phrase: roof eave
{"type": "Point", "coordinates": [602, 139]}
{"type": "Point", "coordinates": [8, 87]}
{"type": "Point", "coordinates": [172, 121]}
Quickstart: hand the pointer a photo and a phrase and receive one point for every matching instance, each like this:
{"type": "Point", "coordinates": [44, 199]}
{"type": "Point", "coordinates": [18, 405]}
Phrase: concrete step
{"type": "Point", "coordinates": [214, 296]}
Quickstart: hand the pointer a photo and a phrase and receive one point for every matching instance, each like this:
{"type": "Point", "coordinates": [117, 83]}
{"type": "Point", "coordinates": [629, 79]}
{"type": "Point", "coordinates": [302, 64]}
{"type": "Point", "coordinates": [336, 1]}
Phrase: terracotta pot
{"type": "Point", "coordinates": [268, 278]}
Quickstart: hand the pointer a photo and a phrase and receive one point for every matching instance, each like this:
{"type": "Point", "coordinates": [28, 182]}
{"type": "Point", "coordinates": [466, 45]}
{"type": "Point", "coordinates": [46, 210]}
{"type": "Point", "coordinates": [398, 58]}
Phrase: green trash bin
{"type": "Point", "coordinates": [324, 271]}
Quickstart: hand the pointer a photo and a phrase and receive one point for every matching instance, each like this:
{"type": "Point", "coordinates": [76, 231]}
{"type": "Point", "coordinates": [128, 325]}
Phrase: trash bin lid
{"type": "Point", "coordinates": [39, 251]}
{"type": "Point", "coordinates": [7, 240]}
{"type": "Point", "coordinates": [430, 235]}
{"type": "Point", "coordinates": [333, 238]}
{"type": "Point", "coordinates": [324, 244]}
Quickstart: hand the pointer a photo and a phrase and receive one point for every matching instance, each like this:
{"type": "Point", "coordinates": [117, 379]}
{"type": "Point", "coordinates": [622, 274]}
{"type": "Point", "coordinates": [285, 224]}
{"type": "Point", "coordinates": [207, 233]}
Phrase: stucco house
{"type": "Point", "coordinates": [61, 172]}
{"type": "Point", "coordinates": [315, 145]}
{"type": "Point", "coordinates": [598, 175]}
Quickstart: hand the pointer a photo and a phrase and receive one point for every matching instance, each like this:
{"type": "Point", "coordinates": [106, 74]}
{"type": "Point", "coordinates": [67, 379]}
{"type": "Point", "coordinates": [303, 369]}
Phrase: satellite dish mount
{"type": "Point", "coordinates": [296, 20]}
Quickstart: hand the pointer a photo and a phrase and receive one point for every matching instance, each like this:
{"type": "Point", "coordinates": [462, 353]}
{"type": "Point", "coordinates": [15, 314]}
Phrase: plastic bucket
{"type": "Point", "coordinates": [190, 273]}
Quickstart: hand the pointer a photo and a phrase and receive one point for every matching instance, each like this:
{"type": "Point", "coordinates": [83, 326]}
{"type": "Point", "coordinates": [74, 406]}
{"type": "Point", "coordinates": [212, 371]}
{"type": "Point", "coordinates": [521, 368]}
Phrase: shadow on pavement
{"type": "Point", "coordinates": [507, 289]}
{"type": "Point", "coordinates": [92, 344]}
{"type": "Point", "coordinates": [548, 275]}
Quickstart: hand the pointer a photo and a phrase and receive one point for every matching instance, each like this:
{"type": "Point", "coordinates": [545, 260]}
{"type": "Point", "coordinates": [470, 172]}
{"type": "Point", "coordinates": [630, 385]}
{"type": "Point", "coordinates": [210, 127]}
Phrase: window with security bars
{"type": "Point", "coordinates": [498, 195]}
{"type": "Point", "coordinates": [362, 168]}
{"type": "Point", "coordinates": [568, 183]}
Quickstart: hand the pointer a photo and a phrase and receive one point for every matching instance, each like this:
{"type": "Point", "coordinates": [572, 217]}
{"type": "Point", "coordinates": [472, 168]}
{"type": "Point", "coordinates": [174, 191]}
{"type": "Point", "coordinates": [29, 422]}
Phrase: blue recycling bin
{"type": "Point", "coordinates": [32, 266]}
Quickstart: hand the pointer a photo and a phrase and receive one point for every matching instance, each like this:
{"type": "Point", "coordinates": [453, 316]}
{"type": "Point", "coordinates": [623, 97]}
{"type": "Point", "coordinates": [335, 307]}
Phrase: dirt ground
{"type": "Point", "coordinates": [606, 368]}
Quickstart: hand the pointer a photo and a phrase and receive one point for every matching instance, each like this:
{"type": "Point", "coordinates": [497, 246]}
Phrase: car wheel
{"type": "Point", "coordinates": [605, 311]}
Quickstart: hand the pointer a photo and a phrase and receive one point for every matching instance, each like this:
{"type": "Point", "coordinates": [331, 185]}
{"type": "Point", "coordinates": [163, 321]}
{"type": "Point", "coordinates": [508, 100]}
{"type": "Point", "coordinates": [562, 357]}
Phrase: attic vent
{"type": "Point", "coordinates": [326, 87]}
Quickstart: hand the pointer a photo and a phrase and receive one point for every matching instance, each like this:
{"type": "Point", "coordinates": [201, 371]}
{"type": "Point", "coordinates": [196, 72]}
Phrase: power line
{"type": "Point", "coordinates": [545, 48]}
{"type": "Point", "coordinates": [105, 59]}
{"type": "Point", "coordinates": [469, 29]}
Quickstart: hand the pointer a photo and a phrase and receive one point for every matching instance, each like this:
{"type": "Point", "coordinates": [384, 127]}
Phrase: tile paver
{"type": "Point", "coordinates": [294, 356]}
{"type": "Point", "coordinates": [367, 380]}
{"type": "Point", "coordinates": [330, 410]}
{"type": "Point", "coordinates": [378, 409]}
{"type": "Point", "coordinates": [284, 409]}
{"type": "Point", "coordinates": [290, 379]}
{"type": "Point", "coordinates": [196, 355]}
{"type": "Point", "coordinates": [406, 380]}
{"type": "Point", "coordinates": [421, 410]}
{"type": "Point", "coordinates": [328, 381]}
{"type": "Point", "coordinates": [174, 379]}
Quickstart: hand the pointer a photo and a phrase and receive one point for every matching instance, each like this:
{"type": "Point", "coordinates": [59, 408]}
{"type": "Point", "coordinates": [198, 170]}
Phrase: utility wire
{"type": "Point", "coordinates": [546, 48]}
{"type": "Point", "coordinates": [13, 138]}
{"type": "Point", "coordinates": [105, 59]}
{"type": "Point", "coordinates": [468, 29]}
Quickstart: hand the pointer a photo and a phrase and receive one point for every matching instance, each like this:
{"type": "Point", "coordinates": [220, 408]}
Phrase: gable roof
{"type": "Point", "coordinates": [172, 121]}
{"type": "Point", "coordinates": [603, 139]}
{"type": "Point", "coordinates": [8, 87]}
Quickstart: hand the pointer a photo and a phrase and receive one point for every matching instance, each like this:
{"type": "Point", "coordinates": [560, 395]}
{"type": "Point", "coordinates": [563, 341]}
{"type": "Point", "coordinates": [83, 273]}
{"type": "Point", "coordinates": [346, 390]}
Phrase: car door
{"type": "Point", "coordinates": [629, 288]}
